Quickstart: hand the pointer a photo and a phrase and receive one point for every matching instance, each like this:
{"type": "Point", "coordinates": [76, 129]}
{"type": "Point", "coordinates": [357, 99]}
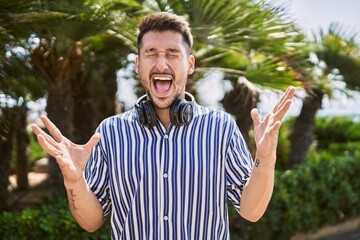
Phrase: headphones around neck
{"type": "Point", "coordinates": [181, 111]}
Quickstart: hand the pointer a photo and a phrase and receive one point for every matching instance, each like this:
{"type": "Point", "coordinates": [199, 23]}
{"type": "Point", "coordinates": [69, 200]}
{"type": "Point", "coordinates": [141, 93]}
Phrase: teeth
{"type": "Point", "coordinates": [162, 78]}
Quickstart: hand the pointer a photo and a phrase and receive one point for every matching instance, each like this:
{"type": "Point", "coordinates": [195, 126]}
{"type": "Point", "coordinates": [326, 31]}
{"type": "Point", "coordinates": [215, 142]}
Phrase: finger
{"type": "Point", "coordinates": [283, 110]}
{"type": "Point", "coordinates": [93, 141]}
{"type": "Point", "coordinates": [283, 104]}
{"type": "Point", "coordinates": [289, 94]}
{"type": "Point", "coordinates": [49, 148]}
{"type": "Point", "coordinates": [54, 131]}
{"type": "Point", "coordinates": [275, 127]}
{"type": "Point", "coordinates": [37, 130]}
{"type": "Point", "coordinates": [255, 116]}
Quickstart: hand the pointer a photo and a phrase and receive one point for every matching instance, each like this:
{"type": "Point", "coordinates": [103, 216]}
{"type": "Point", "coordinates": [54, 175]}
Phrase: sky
{"type": "Point", "coordinates": [311, 15]}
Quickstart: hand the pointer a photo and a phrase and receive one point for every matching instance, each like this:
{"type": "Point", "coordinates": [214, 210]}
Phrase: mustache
{"type": "Point", "coordinates": [162, 73]}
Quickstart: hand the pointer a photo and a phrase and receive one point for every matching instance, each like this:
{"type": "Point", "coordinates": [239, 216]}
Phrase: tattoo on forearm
{"type": "Point", "coordinates": [257, 162]}
{"type": "Point", "coordinates": [72, 197]}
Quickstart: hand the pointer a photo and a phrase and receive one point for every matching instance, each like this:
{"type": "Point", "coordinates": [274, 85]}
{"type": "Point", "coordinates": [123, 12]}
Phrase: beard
{"type": "Point", "coordinates": [162, 103]}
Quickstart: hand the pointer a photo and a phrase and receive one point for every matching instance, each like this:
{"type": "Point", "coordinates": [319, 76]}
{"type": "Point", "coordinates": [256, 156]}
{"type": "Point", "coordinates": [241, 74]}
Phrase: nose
{"type": "Point", "coordinates": [161, 62]}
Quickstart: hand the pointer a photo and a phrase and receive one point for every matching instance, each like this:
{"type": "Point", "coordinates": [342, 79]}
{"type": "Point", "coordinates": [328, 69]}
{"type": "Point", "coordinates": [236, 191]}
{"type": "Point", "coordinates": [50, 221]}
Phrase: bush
{"type": "Point", "coordinates": [306, 198]}
{"type": "Point", "coordinates": [283, 147]}
{"type": "Point", "coordinates": [334, 137]}
{"type": "Point", "coordinates": [49, 222]}
{"type": "Point", "coordinates": [330, 130]}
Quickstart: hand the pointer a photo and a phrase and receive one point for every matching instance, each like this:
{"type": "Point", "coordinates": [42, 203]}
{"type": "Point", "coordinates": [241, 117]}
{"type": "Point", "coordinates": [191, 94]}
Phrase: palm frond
{"type": "Point", "coordinates": [340, 52]}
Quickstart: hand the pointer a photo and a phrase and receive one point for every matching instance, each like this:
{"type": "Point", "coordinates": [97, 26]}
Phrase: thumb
{"type": "Point", "coordinates": [255, 116]}
{"type": "Point", "coordinates": [93, 141]}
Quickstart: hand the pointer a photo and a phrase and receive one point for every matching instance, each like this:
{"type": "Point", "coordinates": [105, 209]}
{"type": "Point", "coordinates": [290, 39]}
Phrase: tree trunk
{"type": "Point", "coordinates": [22, 141]}
{"type": "Point", "coordinates": [239, 102]}
{"type": "Point", "coordinates": [84, 112]}
{"type": "Point", "coordinates": [6, 144]}
{"type": "Point", "coordinates": [60, 111]}
{"type": "Point", "coordinates": [58, 69]}
{"type": "Point", "coordinates": [303, 129]}
{"type": "Point", "coordinates": [106, 105]}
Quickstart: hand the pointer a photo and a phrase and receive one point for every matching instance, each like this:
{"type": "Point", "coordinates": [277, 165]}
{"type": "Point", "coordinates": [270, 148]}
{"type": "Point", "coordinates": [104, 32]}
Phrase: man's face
{"type": "Point", "coordinates": [163, 66]}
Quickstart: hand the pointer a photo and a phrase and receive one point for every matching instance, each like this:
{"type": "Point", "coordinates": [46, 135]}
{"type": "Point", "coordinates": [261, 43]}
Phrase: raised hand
{"type": "Point", "coordinates": [70, 157]}
{"type": "Point", "coordinates": [266, 132]}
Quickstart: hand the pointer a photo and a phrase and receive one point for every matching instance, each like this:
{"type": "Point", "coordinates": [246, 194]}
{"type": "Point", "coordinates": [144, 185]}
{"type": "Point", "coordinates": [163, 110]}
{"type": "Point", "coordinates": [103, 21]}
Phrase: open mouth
{"type": "Point", "coordinates": [162, 83]}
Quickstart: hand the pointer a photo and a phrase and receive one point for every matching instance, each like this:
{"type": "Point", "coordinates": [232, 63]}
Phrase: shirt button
{"type": "Point", "coordinates": [165, 175]}
{"type": "Point", "coordinates": [166, 218]}
{"type": "Point", "coordinates": [166, 136]}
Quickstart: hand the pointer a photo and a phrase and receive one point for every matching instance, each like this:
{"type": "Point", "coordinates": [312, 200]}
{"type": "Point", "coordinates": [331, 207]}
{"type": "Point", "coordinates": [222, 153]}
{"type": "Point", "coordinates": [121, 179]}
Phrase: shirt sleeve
{"type": "Point", "coordinates": [239, 164]}
{"type": "Point", "coordinates": [96, 175]}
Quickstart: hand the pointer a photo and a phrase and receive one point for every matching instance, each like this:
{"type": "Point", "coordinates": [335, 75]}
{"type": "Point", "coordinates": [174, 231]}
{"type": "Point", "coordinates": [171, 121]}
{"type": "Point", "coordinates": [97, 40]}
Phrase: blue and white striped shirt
{"type": "Point", "coordinates": [173, 183]}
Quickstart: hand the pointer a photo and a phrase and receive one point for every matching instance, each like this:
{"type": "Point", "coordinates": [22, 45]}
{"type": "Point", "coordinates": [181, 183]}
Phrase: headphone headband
{"type": "Point", "coordinates": [188, 97]}
{"type": "Point", "coordinates": [181, 111]}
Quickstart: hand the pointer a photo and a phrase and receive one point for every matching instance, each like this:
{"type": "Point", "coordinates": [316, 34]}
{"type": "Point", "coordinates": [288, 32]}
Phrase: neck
{"type": "Point", "coordinates": [164, 116]}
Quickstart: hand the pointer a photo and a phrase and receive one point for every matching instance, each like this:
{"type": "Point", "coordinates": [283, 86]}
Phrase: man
{"type": "Point", "coordinates": [165, 169]}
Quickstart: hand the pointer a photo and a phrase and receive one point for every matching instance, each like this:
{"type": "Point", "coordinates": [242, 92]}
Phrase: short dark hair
{"type": "Point", "coordinates": [163, 21]}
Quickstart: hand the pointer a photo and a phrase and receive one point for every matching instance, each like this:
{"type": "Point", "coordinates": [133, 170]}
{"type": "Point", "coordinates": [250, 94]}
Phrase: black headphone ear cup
{"type": "Point", "coordinates": [145, 114]}
{"type": "Point", "coordinates": [174, 112]}
{"type": "Point", "coordinates": [140, 115]}
{"type": "Point", "coordinates": [150, 114]}
{"type": "Point", "coordinates": [181, 112]}
{"type": "Point", "coordinates": [186, 113]}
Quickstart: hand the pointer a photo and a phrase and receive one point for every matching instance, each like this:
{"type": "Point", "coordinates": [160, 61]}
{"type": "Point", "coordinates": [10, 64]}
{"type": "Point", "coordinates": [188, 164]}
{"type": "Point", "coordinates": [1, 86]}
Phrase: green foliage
{"type": "Point", "coordinates": [340, 52]}
{"type": "Point", "coordinates": [336, 130]}
{"type": "Point", "coordinates": [334, 137]}
{"type": "Point", "coordinates": [49, 222]}
{"type": "Point", "coordinates": [35, 152]}
{"type": "Point", "coordinates": [306, 198]}
{"type": "Point", "coordinates": [242, 38]}
{"type": "Point", "coordinates": [283, 148]}
{"type": "Point", "coordinates": [335, 151]}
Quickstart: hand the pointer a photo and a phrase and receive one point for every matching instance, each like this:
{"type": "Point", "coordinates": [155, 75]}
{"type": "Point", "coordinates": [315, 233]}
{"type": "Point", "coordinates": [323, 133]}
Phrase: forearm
{"type": "Point", "coordinates": [258, 191]}
{"type": "Point", "coordinates": [84, 205]}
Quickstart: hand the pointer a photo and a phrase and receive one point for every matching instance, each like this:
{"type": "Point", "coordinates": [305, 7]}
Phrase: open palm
{"type": "Point", "coordinates": [70, 157]}
{"type": "Point", "coordinates": [266, 131]}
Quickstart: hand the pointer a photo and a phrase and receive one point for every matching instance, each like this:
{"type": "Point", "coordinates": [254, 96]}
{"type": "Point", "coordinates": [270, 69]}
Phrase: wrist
{"type": "Point", "coordinates": [264, 163]}
{"type": "Point", "coordinates": [74, 184]}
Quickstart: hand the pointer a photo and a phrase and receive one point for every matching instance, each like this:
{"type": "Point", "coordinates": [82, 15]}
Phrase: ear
{"type": "Point", "coordinates": [137, 64]}
{"type": "Point", "coordinates": [191, 62]}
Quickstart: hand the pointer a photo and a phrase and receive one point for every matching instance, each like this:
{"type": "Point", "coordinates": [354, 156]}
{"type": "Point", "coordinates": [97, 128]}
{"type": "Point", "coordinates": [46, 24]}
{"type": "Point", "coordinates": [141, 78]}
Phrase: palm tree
{"type": "Point", "coordinates": [337, 52]}
{"type": "Point", "coordinates": [246, 40]}
{"type": "Point", "coordinates": [18, 85]}
{"type": "Point", "coordinates": [21, 85]}
{"type": "Point", "coordinates": [98, 86]}
{"type": "Point", "coordinates": [340, 52]}
{"type": "Point", "coordinates": [63, 55]}
{"type": "Point", "coordinates": [6, 142]}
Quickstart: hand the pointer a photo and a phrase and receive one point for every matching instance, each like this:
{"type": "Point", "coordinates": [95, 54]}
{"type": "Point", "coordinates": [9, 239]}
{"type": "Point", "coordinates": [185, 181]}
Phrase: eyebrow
{"type": "Point", "coordinates": [167, 50]}
{"type": "Point", "coordinates": [173, 50]}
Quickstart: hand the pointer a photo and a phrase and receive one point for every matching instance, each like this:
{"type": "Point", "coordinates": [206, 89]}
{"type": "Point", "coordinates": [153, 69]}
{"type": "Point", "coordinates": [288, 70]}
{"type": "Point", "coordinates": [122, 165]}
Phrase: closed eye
{"type": "Point", "coordinates": [171, 52]}
{"type": "Point", "coordinates": [150, 52]}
